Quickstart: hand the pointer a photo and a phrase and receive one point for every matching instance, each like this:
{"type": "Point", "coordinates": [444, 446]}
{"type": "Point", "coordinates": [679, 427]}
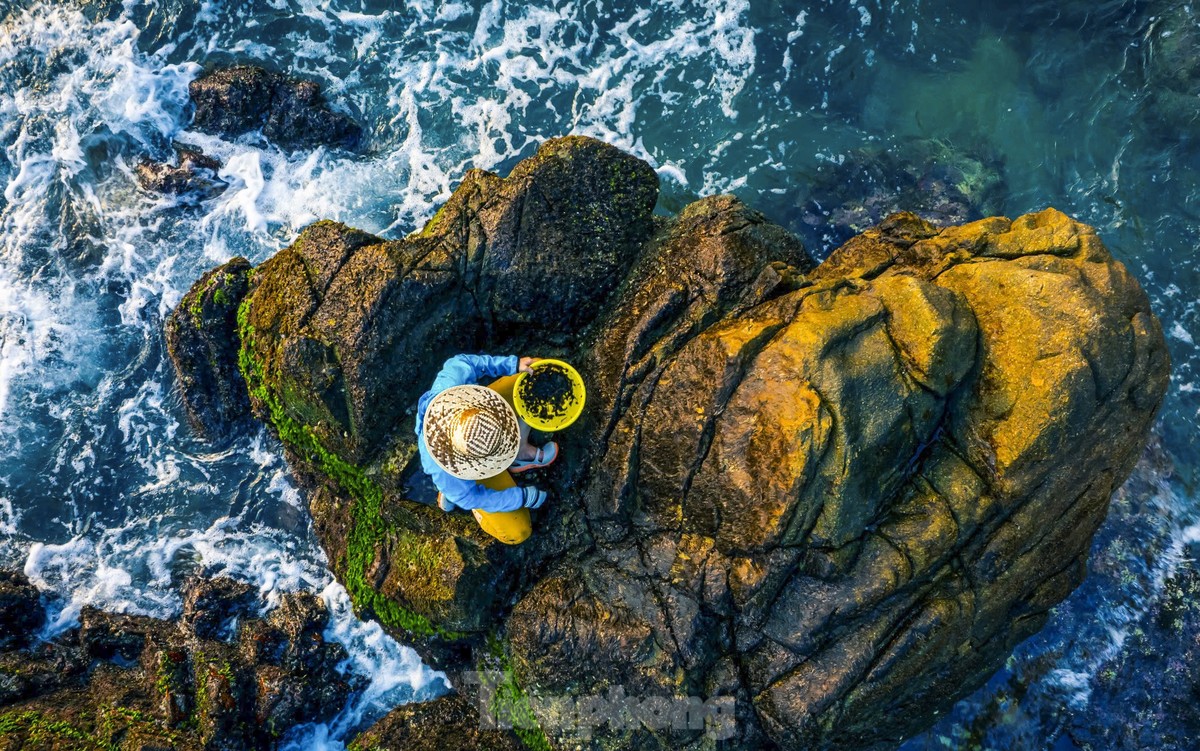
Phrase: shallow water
{"type": "Point", "coordinates": [105, 495]}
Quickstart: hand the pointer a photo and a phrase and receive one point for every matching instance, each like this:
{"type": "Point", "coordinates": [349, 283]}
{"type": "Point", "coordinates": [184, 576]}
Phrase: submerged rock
{"type": "Point", "coordinates": [290, 112]}
{"type": "Point", "coordinates": [134, 682]}
{"type": "Point", "coordinates": [931, 179]}
{"type": "Point", "coordinates": [1153, 680]}
{"type": "Point", "coordinates": [823, 502]}
{"type": "Point", "coordinates": [1172, 70]}
{"type": "Point", "coordinates": [194, 177]}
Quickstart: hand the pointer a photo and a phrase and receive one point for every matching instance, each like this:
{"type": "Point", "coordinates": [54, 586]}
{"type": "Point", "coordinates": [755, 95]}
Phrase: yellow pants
{"type": "Point", "coordinates": [509, 527]}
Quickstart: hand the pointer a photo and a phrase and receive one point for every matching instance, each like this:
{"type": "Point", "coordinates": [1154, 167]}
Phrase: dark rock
{"type": "Point", "coordinates": [824, 502]}
{"type": "Point", "coordinates": [111, 636]}
{"type": "Point", "coordinates": [291, 112]}
{"type": "Point", "coordinates": [21, 611]}
{"type": "Point", "coordinates": [194, 177]}
{"type": "Point", "coordinates": [123, 681]}
{"type": "Point", "coordinates": [449, 723]}
{"type": "Point", "coordinates": [210, 606]}
{"type": "Point", "coordinates": [201, 336]}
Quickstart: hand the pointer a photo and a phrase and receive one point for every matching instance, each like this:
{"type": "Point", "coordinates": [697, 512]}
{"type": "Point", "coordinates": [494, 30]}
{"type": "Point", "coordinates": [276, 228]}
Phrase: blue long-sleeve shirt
{"type": "Point", "coordinates": [468, 494]}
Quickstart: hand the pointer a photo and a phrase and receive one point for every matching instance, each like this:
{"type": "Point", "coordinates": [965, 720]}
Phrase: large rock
{"type": "Point", "coordinates": [290, 112]}
{"type": "Point", "coordinates": [138, 683]}
{"type": "Point", "coordinates": [825, 502]}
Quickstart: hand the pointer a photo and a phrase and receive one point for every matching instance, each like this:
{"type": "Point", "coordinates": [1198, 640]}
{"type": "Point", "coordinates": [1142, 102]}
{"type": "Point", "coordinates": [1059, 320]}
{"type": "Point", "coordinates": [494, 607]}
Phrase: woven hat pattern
{"type": "Point", "coordinates": [472, 432]}
{"type": "Point", "coordinates": [478, 434]}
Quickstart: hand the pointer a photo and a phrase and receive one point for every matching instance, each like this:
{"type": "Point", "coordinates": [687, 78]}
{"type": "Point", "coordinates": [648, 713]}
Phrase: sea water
{"type": "Point", "coordinates": [108, 499]}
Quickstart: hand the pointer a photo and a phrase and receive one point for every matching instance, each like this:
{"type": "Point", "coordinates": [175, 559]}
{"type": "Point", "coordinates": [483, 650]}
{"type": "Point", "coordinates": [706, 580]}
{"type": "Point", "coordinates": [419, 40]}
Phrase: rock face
{"type": "Point", "coordinates": [825, 502]}
{"type": "Point", "coordinates": [291, 112]}
{"type": "Point", "coordinates": [202, 344]}
{"type": "Point", "coordinates": [135, 683]}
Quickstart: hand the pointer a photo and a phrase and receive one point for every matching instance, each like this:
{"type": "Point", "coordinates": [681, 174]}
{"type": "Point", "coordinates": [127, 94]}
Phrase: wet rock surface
{"type": "Point", "coordinates": [194, 177]}
{"type": "Point", "coordinates": [837, 496]}
{"type": "Point", "coordinates": [133, 682]}
{"type": "Point", "coordinates": [291, 112]}
{"type": "Point", "coordinates": [21, 613]}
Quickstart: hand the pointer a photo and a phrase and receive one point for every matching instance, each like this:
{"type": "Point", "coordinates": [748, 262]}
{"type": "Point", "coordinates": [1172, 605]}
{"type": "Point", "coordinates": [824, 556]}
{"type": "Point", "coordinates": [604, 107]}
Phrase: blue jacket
{"type": "Point", "coordinates": [468, 494]}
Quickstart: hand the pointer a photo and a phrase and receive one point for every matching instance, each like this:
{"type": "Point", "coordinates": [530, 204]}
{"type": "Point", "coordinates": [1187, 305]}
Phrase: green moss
{"type": "Point", "coordinates": [509, 702]}
{"type": "Point", "coordinates": [202, 707]}
{"type": "Point", "coordinates": [40, 731]}
{"type": "Point", "coordinates": [432, 227]}
{"type": "Point", "coordinates": [196, 307]}
{"type": "Point", "coordinates": [165, 675]}
{"type": "Point", "coordinates": [367, 528]}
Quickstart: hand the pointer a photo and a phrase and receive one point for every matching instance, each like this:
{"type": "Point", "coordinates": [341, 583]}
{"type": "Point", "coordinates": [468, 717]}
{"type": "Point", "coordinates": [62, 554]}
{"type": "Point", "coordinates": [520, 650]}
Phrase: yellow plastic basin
{"type": "Point", "coordinates": [571, 409]}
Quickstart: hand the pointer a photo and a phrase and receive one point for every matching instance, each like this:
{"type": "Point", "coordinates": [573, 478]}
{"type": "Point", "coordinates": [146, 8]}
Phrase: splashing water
{"type": "Point", "coordinates": [106, 497]}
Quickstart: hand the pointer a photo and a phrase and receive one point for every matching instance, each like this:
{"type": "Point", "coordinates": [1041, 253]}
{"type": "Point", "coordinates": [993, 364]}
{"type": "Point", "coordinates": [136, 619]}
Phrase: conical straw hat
{"type": "Point", "coordinates": [472, 432]}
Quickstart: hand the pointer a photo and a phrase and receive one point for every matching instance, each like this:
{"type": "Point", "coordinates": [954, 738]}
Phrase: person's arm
{"type": "Point", "coordinates": [466, 369]}
{"type": "Point", "coordinates": [469, 494]}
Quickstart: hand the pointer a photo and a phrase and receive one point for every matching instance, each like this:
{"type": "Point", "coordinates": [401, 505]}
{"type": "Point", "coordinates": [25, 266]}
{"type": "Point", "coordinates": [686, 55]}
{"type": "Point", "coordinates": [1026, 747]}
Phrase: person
{"type": "Point", "coordinates": [471, 442]}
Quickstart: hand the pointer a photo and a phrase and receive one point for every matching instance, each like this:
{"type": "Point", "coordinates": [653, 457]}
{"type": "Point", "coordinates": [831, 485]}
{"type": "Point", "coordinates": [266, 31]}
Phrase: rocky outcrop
{"type": "Point", "coordinates": [138, 683]}
{"type": "Point", "coordinates": [194, 178]}
{"type": "Point", "coordinates": [201, 338]}
{"type": "Point", "coordinates": [291, 112]}
{"type": "Point", "coordinates": [822, 502]}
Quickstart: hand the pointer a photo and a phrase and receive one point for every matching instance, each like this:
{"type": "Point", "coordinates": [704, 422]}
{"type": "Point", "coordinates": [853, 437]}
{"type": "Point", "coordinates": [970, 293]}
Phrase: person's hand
{"type": "Point", "coordinates": [534, 497]}
{"type": "Point", "coordinates": [523, 365]}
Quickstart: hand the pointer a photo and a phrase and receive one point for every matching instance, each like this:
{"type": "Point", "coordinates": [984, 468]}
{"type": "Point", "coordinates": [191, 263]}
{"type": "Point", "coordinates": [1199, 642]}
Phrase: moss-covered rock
{"type": "Point", "coordinates": [201, 337]}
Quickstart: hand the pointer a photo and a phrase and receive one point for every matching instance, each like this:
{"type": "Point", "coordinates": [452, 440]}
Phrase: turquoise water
{"type": "Point", "coordinates": [797, 108]}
